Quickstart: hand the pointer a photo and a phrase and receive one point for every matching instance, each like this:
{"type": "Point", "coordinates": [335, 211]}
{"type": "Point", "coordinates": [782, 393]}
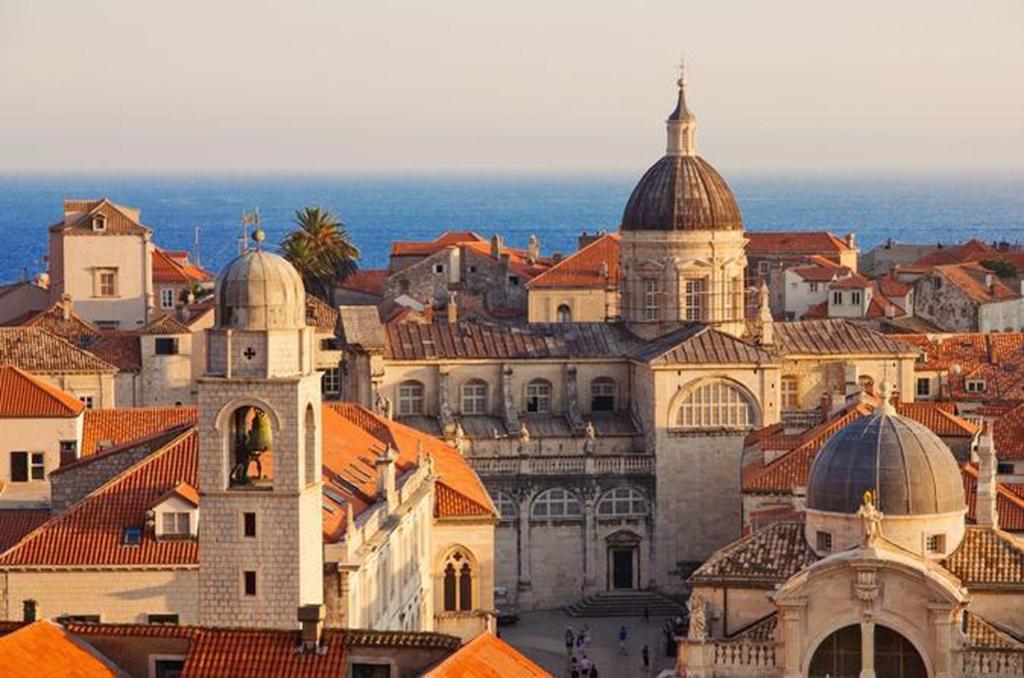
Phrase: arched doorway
{"type": "Point", "coordinates": [839, 655]}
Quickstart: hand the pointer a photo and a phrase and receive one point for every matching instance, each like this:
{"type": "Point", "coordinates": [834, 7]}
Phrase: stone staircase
{"type": "Point", "coordinates": [627, 604]}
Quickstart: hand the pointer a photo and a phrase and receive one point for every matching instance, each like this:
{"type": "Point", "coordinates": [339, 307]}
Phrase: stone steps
{"type": "Point", "coordinates": [626, 604]}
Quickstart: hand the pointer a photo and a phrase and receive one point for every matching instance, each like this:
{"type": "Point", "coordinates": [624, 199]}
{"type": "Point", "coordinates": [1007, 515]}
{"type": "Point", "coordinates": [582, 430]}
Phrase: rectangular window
{"type": "Point", "coordinates": [249, 524]}
{"type": "Point", "coordinates": [87, 399]}
{"type": "Point", "coordinates": [107, 324]}
{"type": "Point", "coordinates": [166, 346]}
{"type": "Point", "coordinates": [331, 381]}
{"type": "Point", "coordinates": [694, 300]}
{"type": "Point", "coordinates": [790, 393]}
{"type": "Point", "coordinates": [937, 543]}
{"type": "Point", "coordinates": [410, 398]}
{"type": "Point", "coordinates": [855, 297]}
{"type": "Point", "coordinates": [38, 470]}
{"type": "Point", "coordinates": [764, 267]}
{"type": "Point", "coordinates": [975, 385]}
{"type": "Point", "coordinates": [602, 395]}
{"type": "Point", "coordinates": [514, 280]}
{"type": "Point", "coordinates": [162, 618]}
{"type": "Point", "coordinates": [824, 541]}
{"type": "Point", "coordinates": [474, 398]}
{"type": "Point", "coordinates": [68, 449]}
{"type": "Point", "coordinates": [19, 467]}
{"type": "Point", "coordinates": [438, 268]}
{"type": "Point", "coordinates": [837, 298]}
{"type": "Point", "coordinates": [106, 282]}
{"type": "Point", "coordinates": [538, 397]}
{"type": "Point", "coordinates": [80, 618]}
{"type": "Point", "coordinates": [167, 298]}
{"type": "Point", "coordinates": [814, 286]}
{"type": "Point", "coordinates": [924, 386]}
{"type": "Point", "coordinates": [650, 299]}
{"type": "Point", "coordinates": [249, 582]}
{"type": "Point", "coordinates": [131, 536]}
{"type": "Point", "coordinates": [177, 524]}
{"type": "Point", "coordinates": [371, 671]}
{"type": "Point", "coordinates": [1005, 469]}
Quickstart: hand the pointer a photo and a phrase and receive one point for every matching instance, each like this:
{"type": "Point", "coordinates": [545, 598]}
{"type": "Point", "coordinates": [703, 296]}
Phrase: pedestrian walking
{"type": "Point", "coordinates": [623, 637]}
{"type": "Point", "coordinates": [586, 666]}
{"type": "Point", "coordinates": [645, 655]}
{"type": "Point", "coordinates": [570, 640]}
{"type": "Point", "coordinates": [574, 667]}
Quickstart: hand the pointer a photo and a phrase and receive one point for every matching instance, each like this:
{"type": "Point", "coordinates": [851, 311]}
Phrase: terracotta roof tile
{"type": "Point", "coordinates": [23, 395]}
{"type": "Point", "coordinates": [972, 250]}
{"type": "Point", "coordinates": [829, 337]}
{"type": "Point", "coordinates": [369, 281]}
{"type": "Point", "coordinates": [16, 523]}
{"type": "Point", "coordinates": [164, 324]}
{"type": "Point", "coordinates": [119, 348]}
{"type": "Point", "coordinates": [767, 557]}
{"type": "Point", "coordinates": [73, 328]}
{"type": "Point", "coordinates": [982, 633]}
{"type": "Point", "coordinates": [46, 649]}
{"type": "Point", "coordinates": [486, 656]}
{"type": "Point", "coordinates": [697, 344]}
{"type": "Point", "coordinates": [988, 558]}
{"type": "Point", "coordinates": [596, 265]}
{"type": "Point", "coordinates": [796, 242]}
{"type": "Point", "coordinates": [256, 653]}
{"type": "Point", "coordinates": [819, 273]}
{"type": "Point", "coordinates": [170, 269]}
{"type": "Point", "coordinates": [404, 248]}
{"type": "Point", "coordinates": [35, 350]}
{"type": "Point", "coordinates": [940, 417]}
{"type": "Point", "coordinates": [971, 279]}
{"type": "Point", "coordinates": [1009, 506]}
{"type": "Point", "coordinates": [474, 340]}
{"type": "Point", "coordinates": [116, 426]}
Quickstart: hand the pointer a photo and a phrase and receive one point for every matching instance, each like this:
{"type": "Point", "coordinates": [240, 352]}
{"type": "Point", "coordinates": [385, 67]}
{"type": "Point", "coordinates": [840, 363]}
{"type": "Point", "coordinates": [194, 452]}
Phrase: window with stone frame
{"type": "Point", "coordinates": [556, 503]}
{"type": "Point", "coordinates": [622, 501]}
{"type": "Point", "coordinates": [166, 298]}
{"type": "Point", "coordinates": [602, 395]}
{"type": "Point", "coordinates": [855, 297]}
{"type": "Point", "coordinates": [716, 405]}
{"type": "Point", "coordinates": [693, 299]}
{"type": "Point", "coordinates": [331, 381]}
{"type": "Point", "coordinates": [651, 305]}
{"type": "Point", "coordinates": [538, 396]}
{"type": "Point", "coordinates": [789, 387]}
{"type": "Point", "coordinates": [824, 541]}
{"type": "Point", "coordinates": [474, 397]}
{"type": "Point", "coordinates": [837, 298]}
{"type": "Point", "coordinates": [106, 282]}
{"type": "Point", "coordinates": [458, 582]}
{"type": "Point", "coordinates": [507, 507]}
{"type": "Point", "coordinates": [924, 387]}
{"type": "Point", "coordinates": [410, 398]}
{"type": "Point", "coordinates": [564, 314]}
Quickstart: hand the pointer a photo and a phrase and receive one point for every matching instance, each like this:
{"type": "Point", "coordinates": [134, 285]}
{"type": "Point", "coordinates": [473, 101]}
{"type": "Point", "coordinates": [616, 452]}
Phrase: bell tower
{"type": "Point", "coordinates": [260, 545]}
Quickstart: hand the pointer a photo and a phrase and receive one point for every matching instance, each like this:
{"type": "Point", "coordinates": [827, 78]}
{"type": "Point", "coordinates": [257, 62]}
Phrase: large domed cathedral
{"type": "Point", "coordinates": [682, 244]}
{"type": "Point", "coordinates": [884, 577]}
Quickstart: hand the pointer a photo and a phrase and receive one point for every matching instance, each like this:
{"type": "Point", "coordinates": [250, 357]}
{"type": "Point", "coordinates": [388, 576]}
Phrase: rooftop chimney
{"type": "Point", "coordinates": [65, 306]}
{"type": "Point", "coordinates": [386, 489]}
{"type": "Point", "coordinates": [496, 246]}
{"type": "Point", "coordinates": [533, 248]}
{"type": "Point", "coordinates": [453, 307]}
{"type": "Point", "coordinates": [311, 617]}
{"type": "Point", "coordinates": [851, 240]}
{"type": "Point", "coordinates": [985, 512]}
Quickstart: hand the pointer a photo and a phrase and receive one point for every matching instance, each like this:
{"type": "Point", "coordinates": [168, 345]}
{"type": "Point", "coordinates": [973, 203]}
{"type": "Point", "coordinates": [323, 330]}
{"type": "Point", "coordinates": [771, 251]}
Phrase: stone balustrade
{"type": "Point", "coordinates": [745, 656]}
{"type": "Point", "coordinates": [557, 465]}
{"type": "Point", "coordinates": [991, 662]}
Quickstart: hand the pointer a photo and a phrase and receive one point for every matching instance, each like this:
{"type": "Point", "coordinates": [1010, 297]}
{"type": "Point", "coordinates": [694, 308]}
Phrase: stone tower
{"type": "Point", "coordinates": [260, 545]}
{"type": "Point", "coordinates": [682, 247]}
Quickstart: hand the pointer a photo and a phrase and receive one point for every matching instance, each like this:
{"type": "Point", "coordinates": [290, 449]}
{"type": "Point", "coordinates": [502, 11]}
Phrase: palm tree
{"type": "Point", "coordinates": [320, 249]}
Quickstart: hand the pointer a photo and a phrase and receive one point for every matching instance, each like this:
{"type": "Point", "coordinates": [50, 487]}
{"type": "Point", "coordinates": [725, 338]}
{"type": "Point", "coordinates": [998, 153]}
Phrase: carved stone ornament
{"type": "Point", "coordinates": [871, 518]}
{"type": "Point", "coordinates": [698, 619]}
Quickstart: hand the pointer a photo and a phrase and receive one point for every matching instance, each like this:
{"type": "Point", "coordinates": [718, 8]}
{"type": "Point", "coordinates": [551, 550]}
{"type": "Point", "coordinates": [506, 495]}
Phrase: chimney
{"type": "Point", "coordinates": [851, 240]}
{"type": "Point", "coordinates": [311, 617]}
{"type": "Point", "coordinates": [764, 314]}
{"type": "Point", "coordinates": [28, 608]}
{"type": "Point", "coordinates": [65, 306]}
{"type": "Point", "coordinates": [985, 512]}
{"type": "Point", "coordinates": [496, 246]}
{"type": "Point", "coordinates": [533, 248]}
{"type": "Point", "coordinates": [386, 490]}
{"type": "Point", "coordinates": [453, 307]}
{"type": "Point", "coordinates": [989, 281]}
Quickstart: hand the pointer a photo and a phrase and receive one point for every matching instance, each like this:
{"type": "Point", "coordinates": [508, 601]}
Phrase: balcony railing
{"type": "Point", "coordinates": [986, 662]}
{"type": "Point", "coordinates": [620, 464]}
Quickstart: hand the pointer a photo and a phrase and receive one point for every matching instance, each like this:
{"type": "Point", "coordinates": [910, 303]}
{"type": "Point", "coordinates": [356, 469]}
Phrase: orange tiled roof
{"type": "Point", "coordinates": [23, 395]}
{"type": "Point", "coordinates": [169, 269]}
{"type": "Point", "coordinates": [518, 260]}
{"type": "Point", "coordinates": [120, 348]}
{"type": "Point", "coordinates": [405, 248]}
{"type": "Point", "coordinates": [940, 417]}
{"type": "Point", "coordinates": [182, 490]}
{"type": "Point", "coordinates": [596, 265]}
{"type": "Point", "coordinates": [1008, 434]}
{"type": "Point", "coordinates": [794, 242]}
{"type": "Point", "coordinates": [74, 328]}
{"type": "Point", "coordinates": [817, 273]}
{"type": "Point", "coordinates": [35, 350]}
{"type": "Point", "coordinates": [987, 557]}
{"type": "Point", "coordinates": [486, 656]}
{"type": "Point", "coordinates": [971, 278]}
{"type": "Point", "coordinates": [45, 649]}
{"type": "Point", "coordinates": [16, 523]}
{"type": "Point", "coordinates": [116, 426]}
{"type": "Point", "coordinates": [256, 653]}
{"type": "Point", "coordinates": [1009, 506]}
{"type": "Point", "coordinates": [369, 281]}
{"type": "Point", "coordinates": [90, 532]}
{"type": "Point", "coordinates": [164, 324]}
{"type": "Point", "coordinates": [972, 250]}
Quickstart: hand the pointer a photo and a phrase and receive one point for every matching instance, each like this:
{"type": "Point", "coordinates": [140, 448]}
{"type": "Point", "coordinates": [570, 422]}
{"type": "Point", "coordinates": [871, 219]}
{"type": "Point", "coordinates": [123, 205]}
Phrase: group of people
{"type": "Point", "coordinates": [582, 666]}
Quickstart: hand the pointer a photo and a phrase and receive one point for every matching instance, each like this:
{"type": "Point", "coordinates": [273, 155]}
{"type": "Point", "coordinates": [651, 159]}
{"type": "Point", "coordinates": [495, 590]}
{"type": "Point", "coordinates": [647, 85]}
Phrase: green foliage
{"type": "Point", "coordinates": [320, 250]}
{"type": "Point", "coordinates": [1001, 267]}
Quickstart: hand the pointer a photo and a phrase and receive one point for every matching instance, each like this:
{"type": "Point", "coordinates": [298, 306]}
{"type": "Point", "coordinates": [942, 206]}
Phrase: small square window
{"type": "Point", "coordinates": [249, 581]}
{"type": "Point", "coordinates": [1005, 469]}
{"type": "Point", "coordinates": [165, 346]}
{"type": "Point", "coordinates": [975, 385]}
{"type": "Point", "coordinates": [514, 280]}
{"type": "Point", "coordinates": [162, 618]}
{"type": "Point", "coordinates": [68, 449]}
{"type": "Point", "coordinates": [924, 386]}
{"type": "Point", "coordinates": [438, 268]}
{"type": "Point", "coordinates": [249, 524]}
{"type": "Point", "coordinates": [131, 536]}
{"type": "Point", "coordinates": [38, 469]}
{"type": "Point", "coordinates": [88, 400]}
{"type": "Point", "coordinates": [824, 541]}
{"type": "Point", "coordinates": [937, 543]}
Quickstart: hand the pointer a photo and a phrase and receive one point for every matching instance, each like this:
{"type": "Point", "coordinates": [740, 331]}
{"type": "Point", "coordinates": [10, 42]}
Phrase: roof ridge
{"type": "Point", "coordinates": [572, 256]}
{"type": "Point", "coordinates": [56, 395]}
{"type": "Point", "coordinates": [61, 340]}
{"type": "Point", "coordinates": [122, 447]}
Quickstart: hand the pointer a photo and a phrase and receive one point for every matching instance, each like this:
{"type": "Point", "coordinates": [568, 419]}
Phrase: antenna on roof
{"type": "Point", "coordinates": [250, 219]}
{"type": "Point", "coordinates": [195, 249]}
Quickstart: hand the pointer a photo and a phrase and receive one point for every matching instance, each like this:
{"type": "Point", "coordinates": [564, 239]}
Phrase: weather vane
{"type": "Point", "coordinates": [258, 234]}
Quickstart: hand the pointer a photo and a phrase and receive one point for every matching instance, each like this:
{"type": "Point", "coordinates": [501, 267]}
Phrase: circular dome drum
{"type": "Point", "coordinates": [907, 467]}
{"type": "Point", "coordinates": [260, 291]}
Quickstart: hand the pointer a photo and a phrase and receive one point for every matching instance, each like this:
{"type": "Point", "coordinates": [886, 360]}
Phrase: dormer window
{"type": "Point", "coordinates": [974, 385]}
{"type": "Point", "coordinates": [176, 514]}
{"type": "Point", "coordinates": [99, 223]}
{"type": "Point", "coordinates": [176, 524]}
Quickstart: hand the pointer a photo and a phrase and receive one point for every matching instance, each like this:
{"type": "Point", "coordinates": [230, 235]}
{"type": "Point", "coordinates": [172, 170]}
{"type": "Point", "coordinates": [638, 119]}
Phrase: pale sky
{"type": "Point", "coordinates": [524, 85]}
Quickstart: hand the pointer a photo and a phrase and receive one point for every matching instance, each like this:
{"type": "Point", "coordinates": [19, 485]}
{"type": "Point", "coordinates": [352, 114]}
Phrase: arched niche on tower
{"type": "Point", "coordinates": [248, 428]}
{"type": "Point", "coordinates": [311, 430]}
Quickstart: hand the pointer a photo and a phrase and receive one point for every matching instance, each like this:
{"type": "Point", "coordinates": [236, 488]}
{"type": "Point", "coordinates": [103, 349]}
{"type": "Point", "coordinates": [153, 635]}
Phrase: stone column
{"type": "Point", "coordinates": [791, 614]}
{"type": "Point", "coordinates": [867, 648]}
{"type": "Point", "coordinates": [590, 495]}
{"type": "Point", "coordinates": [524, 496]}
{"type": "Point", "coordinates": [943, 634]}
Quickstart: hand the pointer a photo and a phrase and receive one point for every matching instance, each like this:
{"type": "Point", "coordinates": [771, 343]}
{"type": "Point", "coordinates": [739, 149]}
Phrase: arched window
{"type": "Point", "coordinates": [506, 505]}
{"type": "Point", "coordinates": [716, 404]}
{"type": "Point", "coordinates": [622, 501]}
{"type": "Point", "coordinates": [556, 503]}
{"type": "Point", "coordinates": [602, 395]}
{"type": "Point", "coordinates": [410, 398]}
{"type": "Point", "coordinates": [251, 442]}
{"type": "Point", "coordinates": [564, 314]}
{"type": "Point", "coordinates": [458, 582]}
{"type": "Point", "coordinates": [474, 397]}
{"type": "Point", "coordinates": [538, 396]}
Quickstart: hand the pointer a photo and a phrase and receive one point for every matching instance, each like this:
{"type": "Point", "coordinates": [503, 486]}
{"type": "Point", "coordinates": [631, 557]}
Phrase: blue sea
{"type": "Point", "coordinates": [380, 209]}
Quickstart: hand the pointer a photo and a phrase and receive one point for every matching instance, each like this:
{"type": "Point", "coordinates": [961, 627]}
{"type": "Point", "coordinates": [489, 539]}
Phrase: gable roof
{"type": "Point", "coordinates": [164, 324]}
{"type": "Point", "coordinates": [767, 557]}
{"type": "Point", "coordinates": [73, 328]}
{"type": "Point", "coordinates": [43, 648]}
{"type": "Point", "coordinates": [834, 337]}
{"type": "Point", "coordinates": [970, 278]}
{"type": "Point", "coordinates": [171, 270]}
{"type": "Point", "coordinates": [1009, 505]}
{"type": "Point", "coordinates": [120, 220]}
{"type": "Point", "coordinates": [794, 242]}
{"type": "Point", "coordinates": [35, 350]}
{"type": "Point", "coordinates": [16, 523]}
{"type": "Point", "coordinates": [23, 395]}
{"type": "Point", "coordinates": [697, 344]}
{"type": "Point", "coordinates": [120, 348]}
{"type": "Point", "coordinates": [90, 532]}
{"type": "Point", "coordinates": [366, 281]}
{"type": "Point", "coordinates": [119, 425]}
{"type": "Point", "coordinates": [595, 265]}
{"type": "Point", "coordinates": [405, 248]}
{"type": "Point", "coordinates": [486, 656]}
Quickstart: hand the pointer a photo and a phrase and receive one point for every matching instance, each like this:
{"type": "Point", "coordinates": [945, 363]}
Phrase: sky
{"type": "Point", "coordinates": [535, 86]}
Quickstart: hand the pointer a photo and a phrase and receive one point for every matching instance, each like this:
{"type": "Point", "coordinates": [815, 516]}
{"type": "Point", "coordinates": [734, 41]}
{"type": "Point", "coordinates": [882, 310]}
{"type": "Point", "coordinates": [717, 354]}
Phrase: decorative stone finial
{"type": "Point", "coordinates": [682, 124]}
{"type": "Point", "coordinates": [885, 392]}
{"type": "Point", "coordinates": [258, 236]}
{"type": "Point", "coordinates": [872, 519]}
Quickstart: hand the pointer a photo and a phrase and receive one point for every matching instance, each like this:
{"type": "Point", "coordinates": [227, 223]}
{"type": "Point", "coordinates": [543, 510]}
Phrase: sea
{"type": "Point", "coordinates": [378, 210]}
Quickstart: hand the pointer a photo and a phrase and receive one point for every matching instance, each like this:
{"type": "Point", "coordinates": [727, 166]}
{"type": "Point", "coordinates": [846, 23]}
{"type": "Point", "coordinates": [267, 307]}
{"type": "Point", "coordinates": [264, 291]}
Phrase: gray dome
{"type": "Point", "coordinates": [260, 291]}
{"type": "Point", "coordinates": [909, 469]}
{"type": "Point", "coordinates": [682, 193]}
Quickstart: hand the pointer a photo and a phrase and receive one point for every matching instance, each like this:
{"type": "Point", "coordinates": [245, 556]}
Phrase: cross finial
{"type": "Point", "coordinates": [682, 72]}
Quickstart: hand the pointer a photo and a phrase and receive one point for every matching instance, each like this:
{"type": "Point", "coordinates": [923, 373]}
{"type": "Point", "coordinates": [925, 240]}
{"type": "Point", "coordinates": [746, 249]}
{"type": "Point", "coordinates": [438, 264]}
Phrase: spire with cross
{"type": "Point", "coordinates": [682, 124]}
